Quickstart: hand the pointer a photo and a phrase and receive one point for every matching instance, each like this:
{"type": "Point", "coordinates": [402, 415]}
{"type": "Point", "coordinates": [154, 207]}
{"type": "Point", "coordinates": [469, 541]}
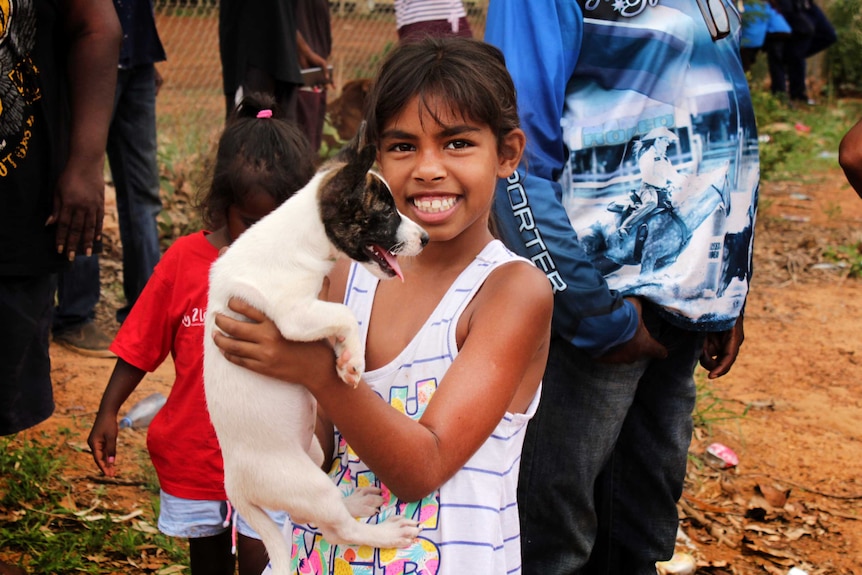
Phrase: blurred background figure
{"type": "Point", "coordinates": [763, 28]}
{"type": "Point", "coordinates": [132, 145]}
{"type": "Point", "coordinates": [52, 200]}
{"type": "Point", "coordinates": [261, 51]}
{"type": "Point", "coordinates": [811, 33]}
{"type": "Point", "coordinates": [314, 25]}
{"type": "Point", "coordinates": [131, 149]}
{"type": "Point", "coordinates": [417, 18]}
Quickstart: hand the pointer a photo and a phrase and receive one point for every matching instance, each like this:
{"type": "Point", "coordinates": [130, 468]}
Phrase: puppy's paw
{"type": "Point", "coordinates": [400, 531]}
{"type": "Point", "coordinates": [350, 363]}
{"type": "Point", "coordinates": [364, 502]}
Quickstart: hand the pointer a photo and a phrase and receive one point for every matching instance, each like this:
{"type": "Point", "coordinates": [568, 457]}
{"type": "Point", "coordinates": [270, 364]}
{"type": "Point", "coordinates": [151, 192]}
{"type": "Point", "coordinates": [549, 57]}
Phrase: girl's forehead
{"type": "Point", "coordinates": [257, 199]}
{"type": "Point", "coordinates": [437, 109]}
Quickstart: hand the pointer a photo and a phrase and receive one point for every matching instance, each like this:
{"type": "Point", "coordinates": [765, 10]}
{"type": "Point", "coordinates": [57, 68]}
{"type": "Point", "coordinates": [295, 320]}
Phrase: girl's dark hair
{"type": "Point", "coordinates": [468, 75]}
{"type": "Point", "coordinates": [268, 154]}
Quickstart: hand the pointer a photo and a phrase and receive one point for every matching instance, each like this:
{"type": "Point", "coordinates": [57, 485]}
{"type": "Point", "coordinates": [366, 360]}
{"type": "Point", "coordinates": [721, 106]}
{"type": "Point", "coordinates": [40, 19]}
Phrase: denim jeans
{"type": "Point", "coordinates": [604, 459]}
{"type": "Point", "coordinates": [135, 171]}
{"type": "Point", "coordinates": [77, 294]}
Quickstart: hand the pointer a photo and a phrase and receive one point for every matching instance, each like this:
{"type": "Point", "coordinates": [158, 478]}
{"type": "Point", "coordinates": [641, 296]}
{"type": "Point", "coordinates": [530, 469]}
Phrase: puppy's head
{"type": "Point", "coordinates": [345, 111]}
{"type": "Point", "coordinates": [360, 216]}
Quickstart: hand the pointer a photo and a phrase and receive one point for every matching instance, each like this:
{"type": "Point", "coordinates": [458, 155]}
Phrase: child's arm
{"type": "Point", "coordinates": [504, 344]}
{"type": "Point", "coordinates": [103, 437]}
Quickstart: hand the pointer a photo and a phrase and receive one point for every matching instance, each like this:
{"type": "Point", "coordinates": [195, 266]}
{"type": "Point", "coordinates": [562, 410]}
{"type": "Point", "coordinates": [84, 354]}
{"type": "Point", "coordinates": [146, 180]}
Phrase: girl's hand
{"type": "Point", "coordinates": [258, 345]}
{"type": "Point", "coordinates": [103, 442]}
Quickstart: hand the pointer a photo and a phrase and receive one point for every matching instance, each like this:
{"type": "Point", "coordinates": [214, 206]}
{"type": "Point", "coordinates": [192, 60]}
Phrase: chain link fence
{"type": "Point", "coordinates": [191, 106]}
{"type": "Point", "coordinates": [362, 30]}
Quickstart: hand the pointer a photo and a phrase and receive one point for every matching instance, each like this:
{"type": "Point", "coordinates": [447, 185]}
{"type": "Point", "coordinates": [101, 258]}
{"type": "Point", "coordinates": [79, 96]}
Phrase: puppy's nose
{"type": "Point", "coordinates": [423, 239]}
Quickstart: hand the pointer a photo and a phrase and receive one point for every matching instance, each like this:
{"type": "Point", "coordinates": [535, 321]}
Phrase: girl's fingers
{"type": "Point", "coordinates": [246, 309]}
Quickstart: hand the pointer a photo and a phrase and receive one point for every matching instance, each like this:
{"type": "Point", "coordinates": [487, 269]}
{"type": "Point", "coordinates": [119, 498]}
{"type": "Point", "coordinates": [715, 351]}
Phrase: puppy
{"type": "Point", "coordinates": [344, 113]}
{"type": "Point", "coordinates": [266, 427]}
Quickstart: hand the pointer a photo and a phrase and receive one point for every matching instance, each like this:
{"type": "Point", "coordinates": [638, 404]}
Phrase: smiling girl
{"type": "Point", "coordinates": [454, 353]}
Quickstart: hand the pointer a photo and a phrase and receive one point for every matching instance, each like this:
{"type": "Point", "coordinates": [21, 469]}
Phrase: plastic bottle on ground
{"type": "Point", "coordinates": [680, 564]}
{"type": "Point", "coordinates": [143, 412]}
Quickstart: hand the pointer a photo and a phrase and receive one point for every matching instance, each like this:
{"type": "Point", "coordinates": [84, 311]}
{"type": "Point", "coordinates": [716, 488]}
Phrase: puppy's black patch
{"type": "Point", "coordinates": [358, 211]}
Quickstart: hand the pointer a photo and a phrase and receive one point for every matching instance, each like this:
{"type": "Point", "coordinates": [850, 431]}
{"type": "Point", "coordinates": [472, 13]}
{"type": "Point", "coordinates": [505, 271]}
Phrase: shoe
{"type": "Point", "coordinates": [86, 339]}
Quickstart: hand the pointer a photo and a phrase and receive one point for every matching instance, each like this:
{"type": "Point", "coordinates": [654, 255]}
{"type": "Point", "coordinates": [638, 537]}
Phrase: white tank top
{"type": "Point", "coordinates": [470, 525]}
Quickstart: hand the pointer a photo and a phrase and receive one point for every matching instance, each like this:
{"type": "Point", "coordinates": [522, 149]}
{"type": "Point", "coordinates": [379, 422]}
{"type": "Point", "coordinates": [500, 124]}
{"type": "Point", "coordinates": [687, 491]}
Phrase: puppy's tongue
{"type": "Point", "coordinates": [391, 260]}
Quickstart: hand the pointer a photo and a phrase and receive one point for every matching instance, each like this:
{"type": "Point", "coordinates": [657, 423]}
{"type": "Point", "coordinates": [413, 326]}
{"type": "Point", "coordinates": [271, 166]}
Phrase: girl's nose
{"type": "Point", "coordinates": [429, 166]}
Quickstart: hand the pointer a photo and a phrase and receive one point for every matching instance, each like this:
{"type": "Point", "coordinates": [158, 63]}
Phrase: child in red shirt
{"type": "Point", "coordinates": [261, 161]}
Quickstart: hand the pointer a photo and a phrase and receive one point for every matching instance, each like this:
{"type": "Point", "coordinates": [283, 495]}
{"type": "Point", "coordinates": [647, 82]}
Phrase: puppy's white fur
{"type": "Point", "coordinates": [266, 427]}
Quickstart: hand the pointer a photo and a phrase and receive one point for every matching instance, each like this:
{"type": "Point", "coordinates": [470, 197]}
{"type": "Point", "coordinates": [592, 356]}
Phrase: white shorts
{"type": "Point", "coordinates": [191, 518]}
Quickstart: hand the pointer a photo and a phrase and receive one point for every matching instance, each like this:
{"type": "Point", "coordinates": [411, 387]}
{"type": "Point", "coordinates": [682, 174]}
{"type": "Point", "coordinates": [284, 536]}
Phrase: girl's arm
{"type": "Point", "coordinates": [504, 344]}
{"type": "Point", "coordinates": [103, 437]}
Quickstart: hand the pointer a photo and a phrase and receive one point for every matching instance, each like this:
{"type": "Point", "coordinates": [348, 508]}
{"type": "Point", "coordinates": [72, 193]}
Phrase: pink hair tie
{"type": "Point", "coordinates": [265, 114]}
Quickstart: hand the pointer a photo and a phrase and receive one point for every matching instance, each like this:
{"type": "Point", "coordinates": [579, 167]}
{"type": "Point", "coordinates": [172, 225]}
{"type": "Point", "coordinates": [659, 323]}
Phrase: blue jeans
{"type": "Point", "coordinates": [77, 294]}
{"type": "Point", "coordinates": [135, 171]}
{"type": "Point", "coordinates": [604, 459]}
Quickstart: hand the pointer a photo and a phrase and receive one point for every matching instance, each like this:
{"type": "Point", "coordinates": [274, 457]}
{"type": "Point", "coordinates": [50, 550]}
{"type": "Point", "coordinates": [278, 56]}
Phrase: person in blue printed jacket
{"type": "Point", "coordinates": [612, 95]}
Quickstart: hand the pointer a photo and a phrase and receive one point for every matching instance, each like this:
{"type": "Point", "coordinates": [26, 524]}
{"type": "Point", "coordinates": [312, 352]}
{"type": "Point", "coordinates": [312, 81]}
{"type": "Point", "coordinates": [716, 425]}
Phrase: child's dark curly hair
{"type": "Point", "coordinates": [259, 151]}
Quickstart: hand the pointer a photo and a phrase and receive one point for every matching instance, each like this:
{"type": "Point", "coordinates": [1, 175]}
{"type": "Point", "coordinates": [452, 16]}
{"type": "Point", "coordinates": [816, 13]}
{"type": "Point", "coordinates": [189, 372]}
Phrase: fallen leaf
{"type": "Point", "coordinates": [776, 497]}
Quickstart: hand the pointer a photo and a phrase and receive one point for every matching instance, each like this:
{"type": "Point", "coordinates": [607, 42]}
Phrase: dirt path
{"type": "Point", "coordinates": [794, 498]}
{"type": "Point", "coordinates": [793, 399]}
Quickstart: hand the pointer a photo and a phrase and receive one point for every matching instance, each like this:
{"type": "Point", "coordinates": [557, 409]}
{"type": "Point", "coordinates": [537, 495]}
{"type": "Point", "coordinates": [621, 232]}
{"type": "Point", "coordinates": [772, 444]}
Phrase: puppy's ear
{"type": "Point", "coordinates": [352, 149]}
{"type": "Point", "coordinates": [351, 175]}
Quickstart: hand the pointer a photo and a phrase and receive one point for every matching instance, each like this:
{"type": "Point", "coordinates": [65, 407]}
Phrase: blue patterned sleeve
{"type": "Point", "coordinates": [541, 42]}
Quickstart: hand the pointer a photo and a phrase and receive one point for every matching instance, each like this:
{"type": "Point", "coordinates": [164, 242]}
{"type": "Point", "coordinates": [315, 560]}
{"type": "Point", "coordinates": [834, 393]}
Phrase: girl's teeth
{"type": "Point", "coordinates": [435, 205]}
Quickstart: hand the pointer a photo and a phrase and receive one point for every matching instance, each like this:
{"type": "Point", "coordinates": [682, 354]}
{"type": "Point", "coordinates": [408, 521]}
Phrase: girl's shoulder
{"type": "Point", "coordinates": [514, 279]}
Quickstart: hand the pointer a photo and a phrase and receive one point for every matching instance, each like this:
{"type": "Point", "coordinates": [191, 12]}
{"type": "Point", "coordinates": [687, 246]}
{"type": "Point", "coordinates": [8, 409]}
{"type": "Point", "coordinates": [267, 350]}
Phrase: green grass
{"type": "Point", "coordinates": [710, 408]}
{"type": "Point", "coordinates": [44, 528]}
{"type": "Point", "coordinates": [802, 145]}
{"type": "Point", "coordinates": [802, 140]}
{"type": "Point", "coordinates": [849, 255]}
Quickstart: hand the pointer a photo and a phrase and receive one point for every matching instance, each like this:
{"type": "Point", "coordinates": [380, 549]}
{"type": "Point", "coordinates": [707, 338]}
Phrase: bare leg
{"type": "Point", "coordinates": [251, 554]}
{"type": "Point", "coordinates": [211, 555]}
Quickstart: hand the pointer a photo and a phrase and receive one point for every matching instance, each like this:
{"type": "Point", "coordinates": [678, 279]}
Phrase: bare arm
{"type": "Point", "coordinates": [498, 368]}
{"type": "Point", "coordinates": [93, 34]}
{"type": "Point", "coordinates": [308, 58]}
{"type": "Point", "coordinates": [103, 437]}
{"type": "Point", "coordinates": [850, 156]}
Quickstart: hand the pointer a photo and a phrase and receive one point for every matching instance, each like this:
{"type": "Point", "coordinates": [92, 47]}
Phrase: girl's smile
{"type": "Point", "coordinates": [442, 167]}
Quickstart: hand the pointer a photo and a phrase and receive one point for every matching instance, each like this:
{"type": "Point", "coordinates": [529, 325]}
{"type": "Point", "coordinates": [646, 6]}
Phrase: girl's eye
{"type": "Point", "coordinates": [248, 222]}
{"type": "Point", "coordinates": [457, 145]}
{"type": "Point", "coordinates": [400, 147]}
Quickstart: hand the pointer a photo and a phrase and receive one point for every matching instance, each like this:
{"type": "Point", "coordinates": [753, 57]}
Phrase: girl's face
{"type": "Point", "coordinates": [442, 175]}
{"type": "Point", "coordinates": [241, 215]}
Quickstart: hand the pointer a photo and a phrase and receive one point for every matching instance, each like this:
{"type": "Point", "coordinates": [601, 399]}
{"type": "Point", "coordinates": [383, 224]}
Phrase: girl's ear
{"type": "Point", "coordinates": [511, 150]}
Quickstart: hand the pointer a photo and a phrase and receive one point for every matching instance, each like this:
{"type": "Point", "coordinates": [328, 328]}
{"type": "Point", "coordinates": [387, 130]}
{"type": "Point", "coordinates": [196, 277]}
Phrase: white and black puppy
{"type": "Point", "coordinates": [266, 427]}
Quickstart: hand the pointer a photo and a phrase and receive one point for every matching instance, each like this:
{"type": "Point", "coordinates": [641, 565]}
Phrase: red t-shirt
{"type": "Point", "coordinates": [168, 317]}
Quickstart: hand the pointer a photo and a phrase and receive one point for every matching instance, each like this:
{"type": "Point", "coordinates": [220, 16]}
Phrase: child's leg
{"type": "Point", "coordinates": [212, 555]}
{"type": "Point", "coordinates": [251, 555]}
{"type": "Point", "coordinates": [204, 524]}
